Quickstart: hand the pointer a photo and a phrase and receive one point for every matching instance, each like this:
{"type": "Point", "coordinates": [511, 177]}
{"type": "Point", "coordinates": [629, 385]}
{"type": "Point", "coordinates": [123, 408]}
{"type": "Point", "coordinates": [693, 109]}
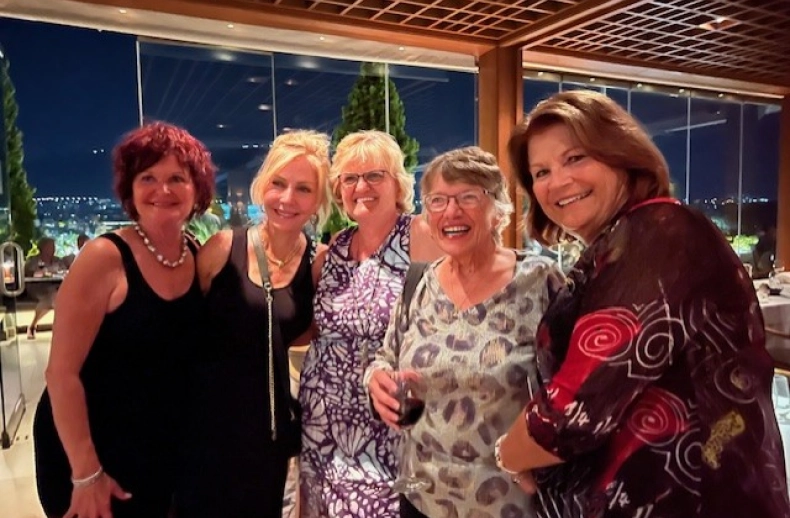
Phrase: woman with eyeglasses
{"type": "Point", "coordinates": [348, 461]}
{"type": "Point", "coordinates": [468, 334]}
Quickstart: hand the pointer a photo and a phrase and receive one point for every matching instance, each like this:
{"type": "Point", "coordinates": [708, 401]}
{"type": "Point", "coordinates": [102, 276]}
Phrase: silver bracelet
{"type": "Point", "coordinates": [87, 481]}
{"type": "Point", "coordinates": [498, 458]}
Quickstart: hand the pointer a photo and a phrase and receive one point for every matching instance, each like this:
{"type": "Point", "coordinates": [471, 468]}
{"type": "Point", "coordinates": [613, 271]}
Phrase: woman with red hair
{"type": "Point", "coordinates": [106, 426]}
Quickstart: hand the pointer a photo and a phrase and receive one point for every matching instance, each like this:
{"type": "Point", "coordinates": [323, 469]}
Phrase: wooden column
{"type": "Point", "coordinates": [500, 107]}
{"type": "Point", "coordinates": [783, 194]}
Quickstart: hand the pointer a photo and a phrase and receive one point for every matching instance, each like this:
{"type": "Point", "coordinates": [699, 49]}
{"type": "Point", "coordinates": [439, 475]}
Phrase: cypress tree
{"type": "Point", "coordinates": [23, 208]}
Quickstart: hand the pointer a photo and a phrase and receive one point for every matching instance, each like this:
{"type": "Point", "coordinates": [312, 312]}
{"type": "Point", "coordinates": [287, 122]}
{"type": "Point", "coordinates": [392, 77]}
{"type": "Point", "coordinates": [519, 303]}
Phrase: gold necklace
{"type": "Point", "coordinates": [279, 263]}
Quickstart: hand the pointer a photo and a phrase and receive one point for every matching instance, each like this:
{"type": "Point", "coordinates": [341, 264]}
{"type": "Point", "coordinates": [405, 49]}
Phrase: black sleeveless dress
{"type": "Point", "coordinates": [133, 378]}
{"type": "Point", "coordinates": [232, 467]}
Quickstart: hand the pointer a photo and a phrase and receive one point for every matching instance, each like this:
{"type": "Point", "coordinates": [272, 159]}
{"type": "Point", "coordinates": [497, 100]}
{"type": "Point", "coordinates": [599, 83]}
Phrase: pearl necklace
{"type": "Point", "coordinates": [159, 257]}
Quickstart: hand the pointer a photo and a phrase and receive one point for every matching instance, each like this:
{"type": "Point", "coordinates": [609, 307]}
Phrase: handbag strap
{"type": "Point", "coordinates": [275, 335]}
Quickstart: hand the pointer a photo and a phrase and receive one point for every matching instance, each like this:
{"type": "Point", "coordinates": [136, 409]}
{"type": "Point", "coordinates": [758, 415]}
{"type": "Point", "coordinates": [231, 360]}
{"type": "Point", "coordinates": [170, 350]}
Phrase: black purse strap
{"type": "Point", "coordinates": [276, 345]}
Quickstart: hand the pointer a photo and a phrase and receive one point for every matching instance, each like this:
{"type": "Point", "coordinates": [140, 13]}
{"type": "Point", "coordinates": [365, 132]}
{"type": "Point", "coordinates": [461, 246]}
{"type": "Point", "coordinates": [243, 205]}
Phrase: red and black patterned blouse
{"type": "Point", "coordinates": [657, 386]}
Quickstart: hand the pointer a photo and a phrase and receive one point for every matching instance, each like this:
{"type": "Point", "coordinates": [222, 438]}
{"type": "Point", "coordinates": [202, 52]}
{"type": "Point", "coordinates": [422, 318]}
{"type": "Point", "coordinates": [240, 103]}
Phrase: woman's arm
{"type": "Point", "coordinates": [212, 257]}
{"type": "Point", "coordinates": [377, 379]}
{"type": "Point", "coordinates": [94, 286]}
{"type": "Point", "coordinates": [642, 296]}
{"type": "Point", "coordinates": [88, 292]}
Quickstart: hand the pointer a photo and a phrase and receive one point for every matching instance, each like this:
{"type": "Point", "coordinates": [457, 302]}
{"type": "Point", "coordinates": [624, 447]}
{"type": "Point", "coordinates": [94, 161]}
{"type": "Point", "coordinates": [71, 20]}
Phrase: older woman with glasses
{"type": "Point", "coordinates": [348, 462]}
{"type": "Point", "coordinates": [468, 335]}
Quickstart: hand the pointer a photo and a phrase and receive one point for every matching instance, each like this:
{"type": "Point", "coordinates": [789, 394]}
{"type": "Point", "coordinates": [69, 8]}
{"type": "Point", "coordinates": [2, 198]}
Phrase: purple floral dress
{"type": "Point", "coordinates": [348, 460]}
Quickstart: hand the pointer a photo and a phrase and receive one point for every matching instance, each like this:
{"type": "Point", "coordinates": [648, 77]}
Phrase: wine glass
{"type": "Point", "coordinates": [411, 398]}
{"type": "Point", "coordinates": [773, 280]}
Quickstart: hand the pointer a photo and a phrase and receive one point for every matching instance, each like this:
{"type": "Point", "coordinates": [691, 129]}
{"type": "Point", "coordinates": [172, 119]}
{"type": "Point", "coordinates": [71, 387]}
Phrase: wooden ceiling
{"type": "Point", "coordinates": [744, 40]}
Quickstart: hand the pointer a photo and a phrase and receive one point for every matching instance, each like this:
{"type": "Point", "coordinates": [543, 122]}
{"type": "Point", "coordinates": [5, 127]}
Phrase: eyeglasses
{"type": "Point", "coordinates": [371, 178]}
{"type": "Point", "coordinates": [465, 200]}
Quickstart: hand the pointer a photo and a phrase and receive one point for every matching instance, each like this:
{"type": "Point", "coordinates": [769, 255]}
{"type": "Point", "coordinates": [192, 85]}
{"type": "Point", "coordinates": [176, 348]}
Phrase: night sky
{"type": "Point", "coordinates": [77, 93]}
{"type": "Point", "coordinates": [76, 90]}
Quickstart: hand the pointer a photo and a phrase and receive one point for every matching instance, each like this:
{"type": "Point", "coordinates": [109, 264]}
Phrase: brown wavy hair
{"type": "Point", "coordinates": [607, 133]}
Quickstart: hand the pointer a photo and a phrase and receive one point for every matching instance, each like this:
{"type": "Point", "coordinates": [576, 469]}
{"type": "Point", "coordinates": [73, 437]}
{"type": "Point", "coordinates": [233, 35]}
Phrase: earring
{"type": "Point", "coordinates": [314, 220]}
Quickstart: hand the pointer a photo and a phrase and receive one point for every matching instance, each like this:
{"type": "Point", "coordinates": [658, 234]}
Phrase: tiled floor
{"type": "Point", "coordinates": [18, 497]}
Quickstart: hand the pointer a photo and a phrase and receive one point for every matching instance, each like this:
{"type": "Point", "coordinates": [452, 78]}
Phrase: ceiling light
{"type": "Point", "coordinates": [290, 82]}
{"type": "Point", "coordinates": [264, 107]}
{"type": "Point", "coordinates": [230, 26]}
{"type": "Point", "coordinates": [401, 48]}
{"type": "Point", "coordinates": [592, 79]}
{"type": "Point", "coordinates": [540, 74]}
{"type": "Point", "coordinates": [721, 95]}
{"type": "Point", "coordinates": [718, 23]}
{"type": "Point", "coordinates": [220, 126]}
{"type": "Point", "coordinates": [122, 11]}
{"type": "Point", "coordinates": [682, 90]}
{"type": "Point", "coordinates": [321, 38]}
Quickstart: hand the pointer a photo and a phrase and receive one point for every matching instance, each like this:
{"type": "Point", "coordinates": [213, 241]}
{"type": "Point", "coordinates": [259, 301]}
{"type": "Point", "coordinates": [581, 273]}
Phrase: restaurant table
{"type": "Point", "coordinates": [776, 313]}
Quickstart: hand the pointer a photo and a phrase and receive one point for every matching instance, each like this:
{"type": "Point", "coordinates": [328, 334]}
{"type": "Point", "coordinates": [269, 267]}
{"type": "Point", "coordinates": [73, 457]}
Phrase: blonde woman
{"type": "Point", "coordinates": [237, 458]}
{"type": "Point", "coordinates": [348, 460]}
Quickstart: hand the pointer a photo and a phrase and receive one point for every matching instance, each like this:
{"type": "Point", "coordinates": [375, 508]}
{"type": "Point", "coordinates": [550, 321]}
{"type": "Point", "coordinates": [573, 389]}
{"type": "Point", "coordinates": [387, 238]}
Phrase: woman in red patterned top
{"type": "Point", "coordinates": [656, 397]}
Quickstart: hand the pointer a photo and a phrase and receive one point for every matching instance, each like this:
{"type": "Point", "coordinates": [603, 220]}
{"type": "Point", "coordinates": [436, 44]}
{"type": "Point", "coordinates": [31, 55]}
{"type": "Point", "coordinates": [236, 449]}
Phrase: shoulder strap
{"type": "Point", "coordinates": [121, 245]}
{"type": "Point", "coordinates": [275, 342]}
{"type": "Point", "coordinates": [127, 256]}
{"type": "Point", "coordinates": [413, 276]}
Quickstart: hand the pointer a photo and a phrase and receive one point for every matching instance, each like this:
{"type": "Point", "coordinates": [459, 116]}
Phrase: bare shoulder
{"type": "Point", "coordinates": [97, 257]}
{"type": "Point", "coordinates": [213, 255]}
{"type": "Point", "coordinates": [217, 247]}
{"type": "Point", "coordinates": [321, 252]}
{"type": "Point", "coordinates": [423, 248]}
{"type": "Point", "coordinates": [96, 273]}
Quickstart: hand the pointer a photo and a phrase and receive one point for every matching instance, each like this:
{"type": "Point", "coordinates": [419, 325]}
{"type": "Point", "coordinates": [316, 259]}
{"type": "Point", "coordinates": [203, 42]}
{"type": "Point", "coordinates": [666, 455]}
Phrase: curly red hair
{"type": "Point", "coordinates": [143, 147]}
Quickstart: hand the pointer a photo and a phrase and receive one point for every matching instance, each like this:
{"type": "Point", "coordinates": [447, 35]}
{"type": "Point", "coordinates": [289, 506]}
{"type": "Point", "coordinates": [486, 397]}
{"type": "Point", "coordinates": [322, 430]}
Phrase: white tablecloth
{"type": "Point", "coordinates": [776, 312]}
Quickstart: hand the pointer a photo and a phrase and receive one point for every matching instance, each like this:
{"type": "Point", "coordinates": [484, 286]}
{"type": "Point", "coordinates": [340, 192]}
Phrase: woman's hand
{"type": "Point", "coordinates": [381, 388]}
{"type": "Point", "coordinates": [526, 482]}
{"type": "Point", "coordinates": [93, 501]}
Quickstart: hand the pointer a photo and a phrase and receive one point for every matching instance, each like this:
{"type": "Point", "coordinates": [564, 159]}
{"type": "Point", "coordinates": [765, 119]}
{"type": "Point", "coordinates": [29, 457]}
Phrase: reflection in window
{"type": "Point", "coordinates": [535, 90]}
{"type": "Point", "coordinates": [224, 98]}
{"type": "Point", "coordinates": [714, 161]}
{"type": "Point", "coordinates": [665, 119]}
{"type": "Point", "coordinates": [723, 153]}
{"type": "Point", "coordinates": [440, 110]}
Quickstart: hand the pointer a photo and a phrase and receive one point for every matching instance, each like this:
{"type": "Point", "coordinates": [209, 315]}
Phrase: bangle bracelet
{"type": "Point", "coordinates": [498, 458]}
{"type": "Point", "coordinates": [90, 479]}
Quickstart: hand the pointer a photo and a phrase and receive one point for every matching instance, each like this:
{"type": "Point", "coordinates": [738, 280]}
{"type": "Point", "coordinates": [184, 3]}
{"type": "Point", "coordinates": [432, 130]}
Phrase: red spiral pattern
{"type": "Point", "coordinates": [658, 417]}
{"type": "Point", "coordinates": [602, 333]}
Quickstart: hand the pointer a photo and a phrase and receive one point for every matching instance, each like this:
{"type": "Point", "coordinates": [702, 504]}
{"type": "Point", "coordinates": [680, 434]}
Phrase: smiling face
{"type": "Point", "coordinates": [291, 196]}
{"type": "Point", "coordinates": [363, 201]}
{"type": "Point", "coordinates": [462, 231]}
{"type": "Point", "coordinates": [577, 192]}
{"type": "Point", "coordinates": [164, 194]}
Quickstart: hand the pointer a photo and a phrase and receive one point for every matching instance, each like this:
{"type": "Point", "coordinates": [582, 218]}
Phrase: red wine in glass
{"type": "Point", "coordinates": [410, 411]}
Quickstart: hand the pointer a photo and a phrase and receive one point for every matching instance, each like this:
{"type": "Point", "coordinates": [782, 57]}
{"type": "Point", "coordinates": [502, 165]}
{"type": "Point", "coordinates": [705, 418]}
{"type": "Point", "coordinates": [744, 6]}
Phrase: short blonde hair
{"type": "Point", "coordinates": [380, 150]}
{"type": "Point", "coordinates": [286, 148]}
{"type": "Point", "coordinates": [607, 133]}
{"type": "Point", "coordinates": [474, 166]}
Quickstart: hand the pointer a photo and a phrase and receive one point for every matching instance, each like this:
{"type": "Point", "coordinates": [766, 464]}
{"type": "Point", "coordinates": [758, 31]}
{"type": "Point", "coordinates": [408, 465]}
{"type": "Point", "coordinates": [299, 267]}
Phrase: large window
{"type": "Point", "coordinates": [223, 97]}
{"type": "Point", "coordinates": [714, 161]}
{"type": "Point", "coordinates": [665, 117]}
{"type": "Point", "coordinates": [722, 151]}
